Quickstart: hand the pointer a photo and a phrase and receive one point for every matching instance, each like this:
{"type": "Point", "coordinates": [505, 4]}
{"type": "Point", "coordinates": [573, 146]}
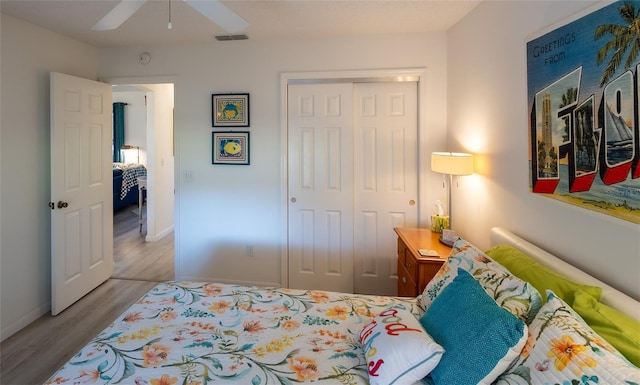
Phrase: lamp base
{"type": "Point", "coordinates": [445, 242]}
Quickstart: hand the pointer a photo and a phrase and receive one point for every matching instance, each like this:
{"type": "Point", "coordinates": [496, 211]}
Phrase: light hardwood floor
{"type": "Point", "coordinates": [136, 259]}
{"type": "Point", "coordinates": [33, 354]}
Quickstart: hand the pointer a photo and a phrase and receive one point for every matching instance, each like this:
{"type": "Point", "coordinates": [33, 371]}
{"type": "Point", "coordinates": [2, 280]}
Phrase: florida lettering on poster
{"type": "Point", "coordinates": [583, 91]}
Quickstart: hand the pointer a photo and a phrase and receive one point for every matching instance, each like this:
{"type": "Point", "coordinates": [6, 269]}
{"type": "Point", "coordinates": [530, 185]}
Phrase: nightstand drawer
{"type": "Point", "coordinates": [406, 286]}
{"type": "Point", "coordinates": [411, 265]}
{"type": "Point", "coordinates": [406, 259]}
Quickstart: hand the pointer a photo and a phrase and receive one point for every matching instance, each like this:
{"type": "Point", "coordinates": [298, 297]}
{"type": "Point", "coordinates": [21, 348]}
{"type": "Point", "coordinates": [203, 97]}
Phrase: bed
{"type": "Point", "coordinates": [210, 333]}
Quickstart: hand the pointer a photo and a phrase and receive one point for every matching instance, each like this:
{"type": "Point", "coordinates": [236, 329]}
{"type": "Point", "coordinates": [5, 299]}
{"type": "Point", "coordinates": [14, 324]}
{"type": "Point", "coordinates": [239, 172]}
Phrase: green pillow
{"type": "Point", "coordinates": [541, 277]}
{"type": "Point", "coordinates": [620, 330]}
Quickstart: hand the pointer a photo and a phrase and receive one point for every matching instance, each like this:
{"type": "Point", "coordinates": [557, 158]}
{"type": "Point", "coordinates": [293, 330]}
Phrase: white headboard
{"type": "Point", "coordinates": [610, 296]}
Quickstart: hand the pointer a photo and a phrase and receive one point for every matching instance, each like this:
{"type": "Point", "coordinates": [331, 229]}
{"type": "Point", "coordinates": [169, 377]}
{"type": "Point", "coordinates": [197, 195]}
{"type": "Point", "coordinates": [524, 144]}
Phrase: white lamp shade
{"type": "Point", "coordinates": [452, 163]}
{"type": "Point", "coordinates": [127, 148]}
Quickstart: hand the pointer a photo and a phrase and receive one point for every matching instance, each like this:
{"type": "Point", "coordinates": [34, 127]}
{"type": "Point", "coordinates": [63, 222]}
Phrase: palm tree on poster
{"type": "Point", "coordinates": [625, 37]}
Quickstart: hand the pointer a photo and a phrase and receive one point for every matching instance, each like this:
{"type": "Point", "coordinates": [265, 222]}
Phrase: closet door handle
{"type": "Point", "coordinates": [62, 204]}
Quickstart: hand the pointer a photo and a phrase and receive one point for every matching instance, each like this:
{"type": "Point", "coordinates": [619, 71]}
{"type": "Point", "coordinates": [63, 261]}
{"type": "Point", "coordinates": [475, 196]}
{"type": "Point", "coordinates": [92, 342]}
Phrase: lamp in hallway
{"type": "Point", "coordinates": [127, 148]}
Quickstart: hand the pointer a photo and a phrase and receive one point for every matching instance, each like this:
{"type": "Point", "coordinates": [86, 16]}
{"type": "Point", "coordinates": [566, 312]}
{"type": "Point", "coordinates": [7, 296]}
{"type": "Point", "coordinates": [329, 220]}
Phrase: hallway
{"type": "Point", "coordinates": [136, 259]}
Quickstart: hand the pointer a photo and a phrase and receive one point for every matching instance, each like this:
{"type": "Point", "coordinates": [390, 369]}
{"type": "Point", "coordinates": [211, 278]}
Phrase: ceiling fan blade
{"type": "Point", "coordinates": [217, 12]}
{"type": "Point", "coordinates": [118, 15]}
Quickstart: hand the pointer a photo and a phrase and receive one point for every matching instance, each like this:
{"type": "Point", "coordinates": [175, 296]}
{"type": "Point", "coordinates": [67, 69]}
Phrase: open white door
{"type": "Point", "coordinates": [81, 188]}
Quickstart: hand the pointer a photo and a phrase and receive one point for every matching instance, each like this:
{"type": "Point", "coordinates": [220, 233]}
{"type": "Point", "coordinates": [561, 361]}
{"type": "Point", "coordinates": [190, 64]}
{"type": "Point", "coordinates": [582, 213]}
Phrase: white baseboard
{"type": "Point", "coordinates": [160, 235]}
{"type": "Point", "coordinates": [9, 330]}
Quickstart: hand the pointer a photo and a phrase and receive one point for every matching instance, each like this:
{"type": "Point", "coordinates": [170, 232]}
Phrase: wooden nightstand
{"type": "Point", "coordinates": [414, 270]}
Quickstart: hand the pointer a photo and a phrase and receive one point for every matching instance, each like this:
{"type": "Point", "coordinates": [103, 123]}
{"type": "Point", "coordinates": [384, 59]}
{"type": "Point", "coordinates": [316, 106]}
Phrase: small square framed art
{"type": "Point", "coordinates": [230, 110]}
{"type": "Point", "coordinates": [230, 147]}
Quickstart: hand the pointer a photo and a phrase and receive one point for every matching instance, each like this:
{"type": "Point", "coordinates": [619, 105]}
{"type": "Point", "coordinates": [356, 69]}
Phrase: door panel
{"type": "Point", "coordinates": [320, 188]}
{"type": "Point", "coordinates": [386, 189]}
{"type": "Point", "coordinates": [81, 181]}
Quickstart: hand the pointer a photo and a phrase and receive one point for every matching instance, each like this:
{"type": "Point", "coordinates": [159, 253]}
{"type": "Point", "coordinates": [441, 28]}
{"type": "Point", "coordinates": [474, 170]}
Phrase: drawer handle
{"type": "Point", "coordinates": [404, 279]}
{"type": "Point", "coordinates": [409, 265]}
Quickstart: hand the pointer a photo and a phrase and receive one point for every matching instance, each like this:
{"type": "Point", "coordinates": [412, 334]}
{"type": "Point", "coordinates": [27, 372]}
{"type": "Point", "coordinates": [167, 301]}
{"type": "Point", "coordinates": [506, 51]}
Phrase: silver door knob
{"type": "Point", "coordinates": [293, 200]}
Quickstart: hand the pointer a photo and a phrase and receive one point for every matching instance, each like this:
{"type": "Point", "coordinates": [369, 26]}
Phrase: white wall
{"type": "Point", "coordinates": [28, 54]}
{"type": "Point", "coordinates": [222, 209]}
{"type": "Point", "coordinates": [135, 122]}
{"type": "Point", "coordinates": [488, 115]}
{"type": "Point", "coordinates": [160, 182]}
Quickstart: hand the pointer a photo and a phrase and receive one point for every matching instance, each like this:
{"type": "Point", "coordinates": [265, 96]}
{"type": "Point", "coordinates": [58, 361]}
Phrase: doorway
{"type": "Point", "coordinates": [145, 250]}
{"type": "Point", "coordinates": [352, 177]}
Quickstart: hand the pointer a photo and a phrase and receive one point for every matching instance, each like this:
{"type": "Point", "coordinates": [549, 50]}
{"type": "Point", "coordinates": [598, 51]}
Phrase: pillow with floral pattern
{"type": "Point", "coordinates": [562, 349]}
{"type": "Point", "coordinates": [510, 292]}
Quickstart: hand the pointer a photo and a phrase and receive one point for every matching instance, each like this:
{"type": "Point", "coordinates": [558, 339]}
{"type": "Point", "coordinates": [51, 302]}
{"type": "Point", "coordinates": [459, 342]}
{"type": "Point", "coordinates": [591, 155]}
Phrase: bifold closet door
{"type": "Point", "coordinates": [385, 180]}
{"type": "Point", "coordinates": [320, 136]}
{"type": "Point", "coordinates": [352, 170]}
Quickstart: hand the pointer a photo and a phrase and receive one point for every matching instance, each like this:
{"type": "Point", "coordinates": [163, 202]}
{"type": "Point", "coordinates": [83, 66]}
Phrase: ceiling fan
{"type": "Point", "coordinates": [214, 10]}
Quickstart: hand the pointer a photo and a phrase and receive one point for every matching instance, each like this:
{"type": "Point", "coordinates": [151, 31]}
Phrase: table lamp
{"type": "Point", "coordinates": [451, 163]}
{"type": "Point", "coordinates": [127, 147]}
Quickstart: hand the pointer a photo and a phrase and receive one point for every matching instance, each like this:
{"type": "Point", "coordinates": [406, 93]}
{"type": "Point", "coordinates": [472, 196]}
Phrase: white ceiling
{"type": "Point", "coordinates": [268, 19]}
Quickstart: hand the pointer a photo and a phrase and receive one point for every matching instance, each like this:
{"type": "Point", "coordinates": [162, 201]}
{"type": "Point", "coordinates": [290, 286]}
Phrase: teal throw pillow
{"type": "Point", "coordinates": [480, 338]}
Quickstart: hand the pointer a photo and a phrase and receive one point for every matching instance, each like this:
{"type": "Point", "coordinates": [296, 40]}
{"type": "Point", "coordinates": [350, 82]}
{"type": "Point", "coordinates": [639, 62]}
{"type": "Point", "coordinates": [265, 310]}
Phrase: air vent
{"type": "Point", "coordinates": [231, 37]}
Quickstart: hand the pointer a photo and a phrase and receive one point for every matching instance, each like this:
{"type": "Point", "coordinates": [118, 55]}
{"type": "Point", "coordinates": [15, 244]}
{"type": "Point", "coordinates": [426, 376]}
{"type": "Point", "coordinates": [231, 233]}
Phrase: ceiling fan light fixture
{"type": "Point", "coordinates": [231, 37]}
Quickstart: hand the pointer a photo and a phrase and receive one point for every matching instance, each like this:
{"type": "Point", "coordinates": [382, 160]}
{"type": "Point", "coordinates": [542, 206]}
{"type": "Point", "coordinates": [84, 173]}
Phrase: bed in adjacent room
{"type": "Point", "coordinates": [125, 183]}
{"type": "Point", "coordinates": [475, 323]}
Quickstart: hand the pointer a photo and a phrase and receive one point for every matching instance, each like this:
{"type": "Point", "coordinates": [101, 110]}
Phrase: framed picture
{"type": "Point", "coordinates": [583, 103]}
{"type": "Point", "coordinates": [230, 147]}
{"type": "Point", "coordinates": [230, 110]}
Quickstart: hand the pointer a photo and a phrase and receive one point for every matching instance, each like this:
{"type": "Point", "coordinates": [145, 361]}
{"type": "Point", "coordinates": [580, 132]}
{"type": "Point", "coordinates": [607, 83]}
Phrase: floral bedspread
{"type": "Point", "coordinates": [199, 333]}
